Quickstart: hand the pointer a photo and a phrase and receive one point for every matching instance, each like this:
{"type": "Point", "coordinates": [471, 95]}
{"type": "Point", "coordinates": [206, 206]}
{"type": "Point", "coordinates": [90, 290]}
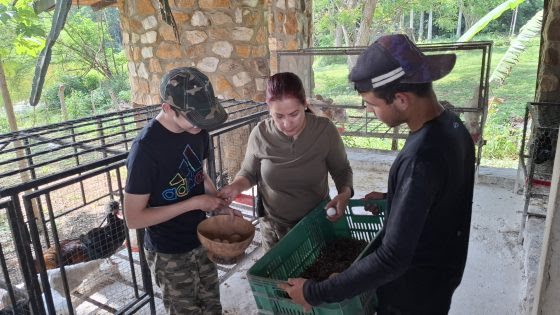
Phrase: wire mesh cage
{"type": "Point", "coordinates": [63, 182]}
{"type": "Point", "coordinates": [85, 265]}
{"type": "Point", "coordinates": [536, 155]}
{"type": "Point", "coordinates": [323, 69]}
{"type": "Point", "coordinates": [37, 152]}
{"type": "Point", "coordinates": [14, 298]}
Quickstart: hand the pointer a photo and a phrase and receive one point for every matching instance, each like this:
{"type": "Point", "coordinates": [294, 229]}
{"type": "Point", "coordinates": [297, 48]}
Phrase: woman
{"type": "Point", "coordinates": [288, 157]}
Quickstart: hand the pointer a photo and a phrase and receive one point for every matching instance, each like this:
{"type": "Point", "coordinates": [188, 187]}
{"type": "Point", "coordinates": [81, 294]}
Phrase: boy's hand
{"type": "Point", "coordinates": [209, 202]}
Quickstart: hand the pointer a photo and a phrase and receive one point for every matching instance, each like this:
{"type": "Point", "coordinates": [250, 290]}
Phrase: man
{"type": "Point", "coordinates": [168, 193]}
{"type": "Point", "coordinates": [421, 258]}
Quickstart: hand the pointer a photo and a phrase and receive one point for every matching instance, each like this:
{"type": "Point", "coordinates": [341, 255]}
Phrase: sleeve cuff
{"type": "Point", "coordinates": [309, 289]}
{"type": "Point", "coordinates": [252, 180]}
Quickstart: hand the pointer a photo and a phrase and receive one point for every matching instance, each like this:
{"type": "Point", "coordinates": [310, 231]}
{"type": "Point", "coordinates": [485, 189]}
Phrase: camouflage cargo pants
{"type": "Point", "coordinates": [188, 282]}
{"type": "Point", "coordinates": [272, 231]}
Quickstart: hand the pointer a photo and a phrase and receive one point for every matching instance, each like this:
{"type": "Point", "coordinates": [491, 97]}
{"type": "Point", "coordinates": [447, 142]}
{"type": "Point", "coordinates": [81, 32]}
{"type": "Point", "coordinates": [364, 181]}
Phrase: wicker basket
{"type": "Point", "coordinates": [226, 236]}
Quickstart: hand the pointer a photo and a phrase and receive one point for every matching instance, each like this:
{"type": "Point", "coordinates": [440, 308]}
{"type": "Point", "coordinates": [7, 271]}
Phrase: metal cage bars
{"type": "Point", "coordinates": [485, 48]}
{"type": "Point", "coordinates": [37, 189]}
{"type": "Point", "coordinates": [527, 155]}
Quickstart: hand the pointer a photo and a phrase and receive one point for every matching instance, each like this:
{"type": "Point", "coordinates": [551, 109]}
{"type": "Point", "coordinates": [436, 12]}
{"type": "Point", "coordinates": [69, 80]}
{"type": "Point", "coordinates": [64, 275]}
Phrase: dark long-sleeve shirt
{"type": "Point", "coordinates": [423, 252]}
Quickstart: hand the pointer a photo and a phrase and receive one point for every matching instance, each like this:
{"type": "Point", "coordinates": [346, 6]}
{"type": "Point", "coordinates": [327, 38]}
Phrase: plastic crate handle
{"type": "Point", "coordinates": [379, 203]}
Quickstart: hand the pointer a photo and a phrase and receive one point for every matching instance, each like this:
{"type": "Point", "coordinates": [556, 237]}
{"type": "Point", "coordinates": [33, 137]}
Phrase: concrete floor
{"type": "Point", "coordinates": [493, 279]}
{"type": "Point", "coordinates": [493, 276]}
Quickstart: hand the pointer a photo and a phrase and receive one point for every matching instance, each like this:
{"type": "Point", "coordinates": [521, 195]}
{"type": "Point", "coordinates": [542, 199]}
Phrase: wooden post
{"type": "Point", "coordinates": [62, 102]}
{"type": "Point", "coordinates": [395, 142]}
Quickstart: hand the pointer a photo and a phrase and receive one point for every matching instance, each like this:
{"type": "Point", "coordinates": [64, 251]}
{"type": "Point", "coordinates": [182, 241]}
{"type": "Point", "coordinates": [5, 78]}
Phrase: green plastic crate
{"type": "Point", "coordinates": [299, 249]}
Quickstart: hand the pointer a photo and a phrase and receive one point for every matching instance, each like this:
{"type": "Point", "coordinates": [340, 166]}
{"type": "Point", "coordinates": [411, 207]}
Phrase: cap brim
{"type": "Point", "coordinates": [435, 68]}
{"type": "Point", "coordinates": [218, 118]}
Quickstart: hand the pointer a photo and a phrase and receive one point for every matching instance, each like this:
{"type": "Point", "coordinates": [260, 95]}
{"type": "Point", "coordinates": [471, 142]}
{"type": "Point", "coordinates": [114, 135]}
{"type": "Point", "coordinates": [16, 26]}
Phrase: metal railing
{"type": "Point", "coordinates": [51, 174]}
{"type": "Point", "coordinates": [29, 154]}
{"type": "Point", "coordinates": [12, 264]}
{"type": "Point", "coordinates": [356, 122]}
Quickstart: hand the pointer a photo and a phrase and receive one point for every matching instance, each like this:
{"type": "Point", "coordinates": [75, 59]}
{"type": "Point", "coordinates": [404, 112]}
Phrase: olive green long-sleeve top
{"type": "Point", "coordinates": [292, 174]}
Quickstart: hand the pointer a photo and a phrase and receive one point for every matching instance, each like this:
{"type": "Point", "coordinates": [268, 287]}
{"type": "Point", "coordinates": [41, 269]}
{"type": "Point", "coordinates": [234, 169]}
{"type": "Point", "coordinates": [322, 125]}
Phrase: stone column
{"type": "Point", "coordinates": [290, 28]}
{"type": "Point", "coordinates": [548, 89]}
{"type": "Point", "coordinates": [549, 74]}
{"type": "Point", "coordinates": [227, 40]}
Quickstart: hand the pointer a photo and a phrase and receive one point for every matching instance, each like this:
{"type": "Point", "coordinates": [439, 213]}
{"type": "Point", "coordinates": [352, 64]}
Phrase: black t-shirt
{"type": "Point", "coordinates": [423, 252]}
{"type": "Point", "coordinates": [169, 167]}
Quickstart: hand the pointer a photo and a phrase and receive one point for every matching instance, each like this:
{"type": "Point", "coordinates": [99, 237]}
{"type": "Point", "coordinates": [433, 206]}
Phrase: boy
{"type": "Point", "coordinates": [168, 193]}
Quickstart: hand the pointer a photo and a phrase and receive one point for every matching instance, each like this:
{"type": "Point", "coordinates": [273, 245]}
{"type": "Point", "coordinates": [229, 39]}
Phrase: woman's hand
{"type": "Point", "coordinates": [229, 192]}
{"type": "Point", "coordinates": [228, 211]}
{"type": "Point", "coordinates": [339, 202]}
{"type": "Point", "coordinates": [208, 202]}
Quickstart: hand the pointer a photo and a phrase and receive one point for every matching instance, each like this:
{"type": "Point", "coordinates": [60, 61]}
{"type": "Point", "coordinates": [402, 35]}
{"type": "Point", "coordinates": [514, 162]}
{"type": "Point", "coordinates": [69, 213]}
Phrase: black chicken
{"type": "Point", "coordinates": [98, 243]}
{"type": "Point", "coordinates": [545, 146]}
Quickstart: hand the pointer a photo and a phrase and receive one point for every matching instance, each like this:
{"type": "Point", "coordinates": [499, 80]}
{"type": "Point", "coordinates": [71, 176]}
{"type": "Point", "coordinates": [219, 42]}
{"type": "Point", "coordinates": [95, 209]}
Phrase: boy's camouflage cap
{"type": "Point", "coordinates": [189, 90]}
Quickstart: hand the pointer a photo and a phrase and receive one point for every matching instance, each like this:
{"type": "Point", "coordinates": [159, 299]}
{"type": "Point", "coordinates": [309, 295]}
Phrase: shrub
{"type": "Point", "coordinates": [322, 61]}
{"type": "Point", "coordinates": [71, 84]}
{"type": "Point", "coordinates": [78, 104]}
{"type": "Point", "coordinates": [124, 96]}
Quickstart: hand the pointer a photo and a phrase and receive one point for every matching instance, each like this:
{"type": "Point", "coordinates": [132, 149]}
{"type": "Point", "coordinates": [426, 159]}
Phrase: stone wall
{"type": "Point", "coordinates": [549, 71]}
{"type": "Point", "coordinates": [227, 40]}
{"type": "Point", "coordinates": [549, 76]}
{"type": "Point", "coordinates": [290, 27]}
{"type": "Point", "coordinates": [548, 89]}
{"type": "Point", "coordinates": [233, 41]}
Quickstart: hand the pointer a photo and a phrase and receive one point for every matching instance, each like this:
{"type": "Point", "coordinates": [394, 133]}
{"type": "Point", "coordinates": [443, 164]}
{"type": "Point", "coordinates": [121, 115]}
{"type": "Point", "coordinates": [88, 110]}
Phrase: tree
{"type": "Point", "coordinates": [22, 35]}
{"type": "Point", "coordinates": [353, 20]}
{"type": "Point", "coordinates": [459, 18]}
{"type": "Point", "coordinates": [489, 17]}
{"type": "Point", "coordinates": [430, 23]}
{"type": "Point", "coordinates": [19, 21]}
{"type": "Point", "coordinates": [20, 41]}
{"type": "Point", "coordinates": [86, 44]}
{"type": "Point", "coordinates": [421, 26]}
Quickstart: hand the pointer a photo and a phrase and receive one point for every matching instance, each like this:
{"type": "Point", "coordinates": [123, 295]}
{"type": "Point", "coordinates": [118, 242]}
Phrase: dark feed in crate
{"type": "Point", "coordinates": [334, 258]}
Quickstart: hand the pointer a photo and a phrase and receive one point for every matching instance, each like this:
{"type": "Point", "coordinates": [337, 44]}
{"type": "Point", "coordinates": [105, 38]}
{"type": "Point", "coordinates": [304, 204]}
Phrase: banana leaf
{"type": "Point", "coordinates": [492, 15]}
{"type": "Point", "coordinates": [61, 10]}
{"type": "Point", "coordinates": [529, 31]}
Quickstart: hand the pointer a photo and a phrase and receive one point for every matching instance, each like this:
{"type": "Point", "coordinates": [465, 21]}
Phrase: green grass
{"type": "Point", "coordinates": [504, 122]}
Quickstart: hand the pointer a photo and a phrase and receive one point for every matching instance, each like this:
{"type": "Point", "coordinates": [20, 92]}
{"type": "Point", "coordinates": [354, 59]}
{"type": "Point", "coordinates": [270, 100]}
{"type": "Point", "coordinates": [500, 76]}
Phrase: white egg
{"type": "Point", "coordinates": [331, 212]}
